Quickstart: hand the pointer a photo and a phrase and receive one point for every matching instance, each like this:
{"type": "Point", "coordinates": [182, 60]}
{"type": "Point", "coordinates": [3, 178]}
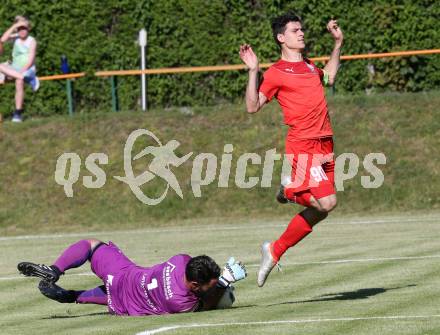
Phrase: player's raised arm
{"type": "Point", "coordinates": [332, 65]}
{"type": "Point", "coordinates": [254, 99]}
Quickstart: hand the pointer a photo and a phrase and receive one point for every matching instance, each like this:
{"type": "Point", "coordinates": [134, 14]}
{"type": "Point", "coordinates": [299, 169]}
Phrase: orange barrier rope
{"type": "Point", "coordinates": [382, 55]}
{"type": "Point", "coordinates": [264, 65]}
{"type": "Point", "coordinates": [63, 76]}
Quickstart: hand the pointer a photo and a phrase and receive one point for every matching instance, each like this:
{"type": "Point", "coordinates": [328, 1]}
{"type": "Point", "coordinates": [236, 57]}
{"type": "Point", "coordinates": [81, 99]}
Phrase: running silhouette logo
{"type": "Point", "coordinates": [163, 157]}
{"type": "Point", "coordinates": [156, 161]}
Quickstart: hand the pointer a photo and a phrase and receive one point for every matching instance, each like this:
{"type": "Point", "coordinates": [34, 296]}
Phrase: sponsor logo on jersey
{"type": "Point", "coordinates": [167, 271]}
{"type": "Point", "coordinates": [147, 298]}
{"type": "Point", "coordinates": [311, 67]}
{"type": "Point", "coordinates": [109, 283]}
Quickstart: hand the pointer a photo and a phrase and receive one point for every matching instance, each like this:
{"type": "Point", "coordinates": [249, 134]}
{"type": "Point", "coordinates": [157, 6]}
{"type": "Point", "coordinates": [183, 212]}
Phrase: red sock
{"type": "Point", "coordinates": [301, 198]}
{"type": "Point", "coordinates": [297, 229]}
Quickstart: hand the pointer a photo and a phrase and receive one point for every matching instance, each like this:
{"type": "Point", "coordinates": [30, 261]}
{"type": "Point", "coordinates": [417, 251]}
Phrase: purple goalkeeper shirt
{"type": "Point", "coordinates": [159, 289]}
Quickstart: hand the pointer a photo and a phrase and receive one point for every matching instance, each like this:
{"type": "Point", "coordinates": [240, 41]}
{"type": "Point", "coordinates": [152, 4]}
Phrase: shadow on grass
{"type": "Point", "coordinates": [242, 306]}
{"type": "Point", "coordinates": [363, 293]}
{"type": "Point", "coordinates": [74, 316]}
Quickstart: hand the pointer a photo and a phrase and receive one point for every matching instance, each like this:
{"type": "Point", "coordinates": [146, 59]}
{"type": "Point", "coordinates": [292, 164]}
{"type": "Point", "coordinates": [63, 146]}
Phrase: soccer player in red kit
{"type": "Point", "coordinates": [297, 84]}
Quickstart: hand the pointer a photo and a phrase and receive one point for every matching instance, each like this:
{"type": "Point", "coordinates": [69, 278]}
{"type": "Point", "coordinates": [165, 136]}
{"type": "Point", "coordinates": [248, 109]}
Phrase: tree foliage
{"type": "Point", "coordinates": [102, 35]}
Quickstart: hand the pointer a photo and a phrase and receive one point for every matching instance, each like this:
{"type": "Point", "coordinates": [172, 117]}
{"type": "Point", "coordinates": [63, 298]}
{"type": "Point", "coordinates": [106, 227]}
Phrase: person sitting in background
{"type": "Point", "coordinates": [22, 69]}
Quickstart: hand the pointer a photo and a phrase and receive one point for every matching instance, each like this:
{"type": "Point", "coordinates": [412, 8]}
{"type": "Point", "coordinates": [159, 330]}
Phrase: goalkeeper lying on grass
{"type": "Point", "coordinates": [181, 284]}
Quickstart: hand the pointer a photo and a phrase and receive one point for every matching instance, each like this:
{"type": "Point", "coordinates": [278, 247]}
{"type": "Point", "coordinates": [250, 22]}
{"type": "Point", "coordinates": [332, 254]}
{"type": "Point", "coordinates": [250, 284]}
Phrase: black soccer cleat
{"type": "Point", "coordinates": [281, 198]}
{"type": "Point", "coordinates": [54, 292]}
{"type": "Point", "coordinates": [48, 273]}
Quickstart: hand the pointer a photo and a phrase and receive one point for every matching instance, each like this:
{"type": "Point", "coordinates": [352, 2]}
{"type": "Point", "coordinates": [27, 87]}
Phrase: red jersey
{"type": "Point", "coordinates": [300, 93]}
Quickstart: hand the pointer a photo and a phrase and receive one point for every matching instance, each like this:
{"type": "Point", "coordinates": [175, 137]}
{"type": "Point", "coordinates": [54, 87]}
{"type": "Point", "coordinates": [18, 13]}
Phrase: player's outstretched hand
{"type": "Point", "coordinates": [333, 28]}
{"type": "Point", "coordinates": [232, 272]}
{"type": "Point", "coordinates": [248, 57]}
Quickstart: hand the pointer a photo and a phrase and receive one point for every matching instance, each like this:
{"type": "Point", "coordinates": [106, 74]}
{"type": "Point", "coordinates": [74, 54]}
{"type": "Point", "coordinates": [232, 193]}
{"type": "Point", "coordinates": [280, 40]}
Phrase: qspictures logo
{"type": "Point", "coordinates": [207, 168]}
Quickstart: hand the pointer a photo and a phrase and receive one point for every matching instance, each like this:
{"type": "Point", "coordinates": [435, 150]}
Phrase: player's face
{"type": "Point", "coordinates": [208, 286]}
{"type": "Point", "coordinates": [202, 289]}
{"type": "Point", "coordinates": [293, 37]}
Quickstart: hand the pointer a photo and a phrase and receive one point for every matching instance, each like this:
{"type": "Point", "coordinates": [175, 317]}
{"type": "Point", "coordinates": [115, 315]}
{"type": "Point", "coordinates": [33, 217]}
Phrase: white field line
{"type": "Point", "coordinates": [337, 261]}
{"type": "Point", "coordinates": [419, 219]}
{"type": "Point", "coordinates": [257, 323]}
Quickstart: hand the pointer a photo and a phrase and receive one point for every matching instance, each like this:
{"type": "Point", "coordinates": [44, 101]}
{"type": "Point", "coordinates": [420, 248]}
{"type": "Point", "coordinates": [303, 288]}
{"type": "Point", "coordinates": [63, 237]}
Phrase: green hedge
{"type": "Point", "coordinates": [101, 35]}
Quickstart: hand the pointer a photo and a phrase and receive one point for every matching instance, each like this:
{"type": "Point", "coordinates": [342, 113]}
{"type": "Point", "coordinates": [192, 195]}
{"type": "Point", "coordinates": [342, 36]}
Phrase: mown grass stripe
{"type": "Point", "coordinates": [256, 323]}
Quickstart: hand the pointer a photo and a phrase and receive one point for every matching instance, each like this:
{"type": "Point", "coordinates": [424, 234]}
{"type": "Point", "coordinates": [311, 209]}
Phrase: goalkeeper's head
{"type": "Point", "coordinates": [202, 274]}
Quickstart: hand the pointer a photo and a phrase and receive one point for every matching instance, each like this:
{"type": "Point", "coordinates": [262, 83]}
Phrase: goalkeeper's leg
{"type": "Point", "coordinates": [74, 256]}
{"type": "Point", "coordinates": [98, 296]}
{"type": "Point", "coordinates": [52, 291]}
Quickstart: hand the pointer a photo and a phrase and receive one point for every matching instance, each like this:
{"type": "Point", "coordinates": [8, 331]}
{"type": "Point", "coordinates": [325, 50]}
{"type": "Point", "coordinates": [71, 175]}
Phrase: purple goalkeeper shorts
{"type": "Point", "coordinates": [108, 259]}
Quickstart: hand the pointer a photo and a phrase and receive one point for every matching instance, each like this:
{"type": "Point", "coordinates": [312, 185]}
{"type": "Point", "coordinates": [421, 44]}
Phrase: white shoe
{"type": "Point", "coordinates": [266, 265]}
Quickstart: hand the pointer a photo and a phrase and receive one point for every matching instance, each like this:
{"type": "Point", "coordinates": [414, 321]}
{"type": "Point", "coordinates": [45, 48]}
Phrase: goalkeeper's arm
{"type": "Point", "coordinates": [232, 272]}
{"type": "Point", "coordinates": [211, 299]}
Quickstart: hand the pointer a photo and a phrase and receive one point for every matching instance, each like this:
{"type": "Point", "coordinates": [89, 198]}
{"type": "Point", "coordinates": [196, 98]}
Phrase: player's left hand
{"type": "Point", "coordinates": [336, 32]}
{"type": "Point", "coordinates": [232, 272]}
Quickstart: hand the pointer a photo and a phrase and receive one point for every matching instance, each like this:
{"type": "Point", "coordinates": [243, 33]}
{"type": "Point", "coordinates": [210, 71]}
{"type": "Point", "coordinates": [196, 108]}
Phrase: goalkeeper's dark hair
{"type": "Point", "coordinates": [279, 24]}
{"type": "Point", "coordinates": [202, 269]}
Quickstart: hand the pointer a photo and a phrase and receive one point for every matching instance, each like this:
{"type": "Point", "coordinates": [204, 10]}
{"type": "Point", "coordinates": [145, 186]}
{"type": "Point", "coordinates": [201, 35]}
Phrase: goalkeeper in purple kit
{"type": "Point", "coordinates": [181, 284]}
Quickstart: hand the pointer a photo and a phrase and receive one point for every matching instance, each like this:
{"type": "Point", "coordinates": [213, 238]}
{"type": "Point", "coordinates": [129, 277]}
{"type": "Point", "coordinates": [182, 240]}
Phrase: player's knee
{"type": "Point", "coordinates": [328, 205]}
{"type": "Point", "coordinates": [94, 243]}
{"type": "Point", "coordinates": [315, 203]}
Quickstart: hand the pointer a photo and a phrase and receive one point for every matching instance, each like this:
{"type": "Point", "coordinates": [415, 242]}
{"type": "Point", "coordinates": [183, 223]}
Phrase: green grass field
{"type": "Point", "coordinates": [404, 127]}
{"type": "Point", "coordinates": [372, 268]}
{"type": "Point", "coordinates": [353, 275]}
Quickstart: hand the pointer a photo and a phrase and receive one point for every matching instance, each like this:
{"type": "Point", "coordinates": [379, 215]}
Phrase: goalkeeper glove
{"type": "Point", "coordinates": [232, 272]}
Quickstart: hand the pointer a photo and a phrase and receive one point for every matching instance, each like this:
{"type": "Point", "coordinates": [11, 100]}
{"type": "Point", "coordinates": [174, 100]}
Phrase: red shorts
{"type": "Point", "coordinates": [313, 166]}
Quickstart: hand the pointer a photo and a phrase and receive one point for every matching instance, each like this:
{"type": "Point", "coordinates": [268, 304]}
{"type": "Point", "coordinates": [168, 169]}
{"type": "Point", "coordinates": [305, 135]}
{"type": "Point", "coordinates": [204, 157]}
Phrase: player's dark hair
{"type": "Point", "coordinates": [279, 24]}
{"type": "Point", "coordinates": [202, 269]}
